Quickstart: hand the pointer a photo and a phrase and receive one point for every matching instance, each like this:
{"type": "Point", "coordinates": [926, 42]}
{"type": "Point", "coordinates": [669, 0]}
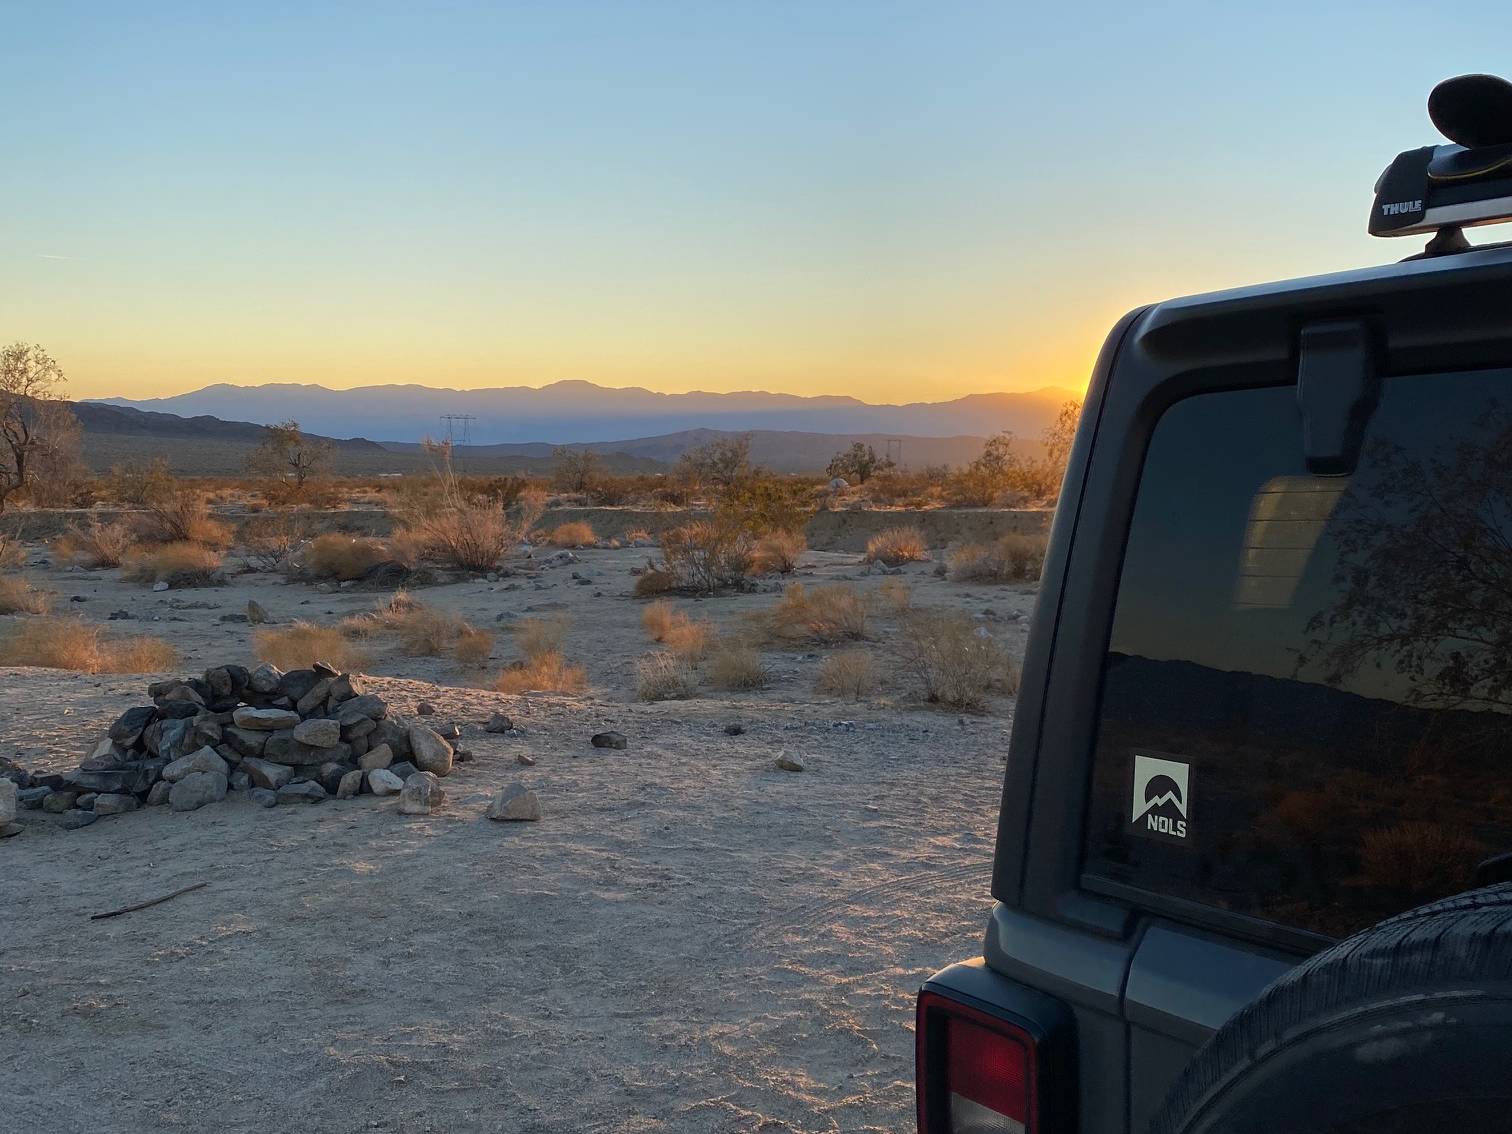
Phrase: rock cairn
{"type": "Point", "coordinates": [298, 737]}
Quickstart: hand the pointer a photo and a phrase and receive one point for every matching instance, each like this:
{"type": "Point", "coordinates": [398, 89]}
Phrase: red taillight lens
{"type": "Point", "coordinates": [975, 1071]}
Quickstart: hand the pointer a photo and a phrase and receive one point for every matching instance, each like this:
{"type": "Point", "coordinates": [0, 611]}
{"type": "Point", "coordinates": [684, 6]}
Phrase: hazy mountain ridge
{"type": "Point", "coordinates": [582, 412]}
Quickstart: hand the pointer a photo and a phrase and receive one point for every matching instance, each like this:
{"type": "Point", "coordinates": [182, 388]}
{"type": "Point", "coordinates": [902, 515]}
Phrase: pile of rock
{"type": "Point", "coordinates": [298, 737]}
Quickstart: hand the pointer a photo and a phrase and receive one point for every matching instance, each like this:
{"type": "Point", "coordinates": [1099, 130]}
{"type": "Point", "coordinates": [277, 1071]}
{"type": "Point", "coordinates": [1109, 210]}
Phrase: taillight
{"type": "Point", "coordinates": [976, 1072]}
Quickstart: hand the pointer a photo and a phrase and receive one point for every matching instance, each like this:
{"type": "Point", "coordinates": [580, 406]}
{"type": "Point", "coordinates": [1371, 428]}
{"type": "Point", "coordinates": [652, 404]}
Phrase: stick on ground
{"type": "Point", "coordinates": [144, 905]}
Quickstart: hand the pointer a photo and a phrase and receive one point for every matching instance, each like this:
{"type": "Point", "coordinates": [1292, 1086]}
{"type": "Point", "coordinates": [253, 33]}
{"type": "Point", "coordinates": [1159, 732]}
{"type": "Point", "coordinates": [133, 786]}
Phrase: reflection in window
{"type": "Point", "coordinates": [1286, 519]}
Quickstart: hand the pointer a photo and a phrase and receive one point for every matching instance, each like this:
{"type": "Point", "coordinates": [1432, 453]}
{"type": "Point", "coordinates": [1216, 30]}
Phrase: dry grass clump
{"type": "Point", "coordinates": [954, 660]}
{"type": "Point", "coordinates": [66, 643]}
{"type": "Point", "coordinates": [574, 534]}
{"type": "Point", "coordinates": [181, 564]}
{"type": "Point", "coordinates": [663, 676]}
{"type": "Point", "coordinates": [654, 581]}
{"type": "Point", "coordinates": [301, 643]}
{"type": "Point", "coordinates": [736, 666]}
{"type": "Point", "coordinates": [824, 614]}
{"type": "Point", "coordinates": [850, 673]}
{"type": "Point", "coordinates": [466, 528]}
{"type": "Point", "coordinates": [182, 515]}
{"type": "Point", "coordinates": [778, 552]}
{"type": "Point", "coordinates": [893, 546]}
{"type": "Point", "coordinates": [343, 557]}
{"type": "Point", "coordinates": [12, 553]}
{"type": "Point", "coordinates": [472, 646]}
{"type": "Point", "coordinates": [95, 544]}
{"type": "Point", "coordinates": [1008, 559]}
{"type": "Point", "coordinates": [425, 632]}
{"type": "Point", "coordinates": [660, 617]}
{"type": "Point", "coordinates": [896, 594]}
{"type": "Point", "coordinates": [638, 537]}
{"type": "Point", "coordinates": [17, 596]}
{"type": "Point", "coordinates": [687, 639]}
{"type": "Point", "coordinates": [705, 556]}
{"type": "Point", "coordinates": [537, 637]}
{"type": "Point", "coordinates": [546, 672]}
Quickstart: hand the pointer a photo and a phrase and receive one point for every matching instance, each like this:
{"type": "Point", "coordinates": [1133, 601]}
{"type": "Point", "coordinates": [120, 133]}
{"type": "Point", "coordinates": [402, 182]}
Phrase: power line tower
{"type": "Point", "coordinates": [458, 428]}
{"type": "Point", "coordinates": [895, 451]}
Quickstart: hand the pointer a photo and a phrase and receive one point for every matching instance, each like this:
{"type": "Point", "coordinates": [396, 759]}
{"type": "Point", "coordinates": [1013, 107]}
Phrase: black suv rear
{"type": "Point", "coordinates": [1263, 714]}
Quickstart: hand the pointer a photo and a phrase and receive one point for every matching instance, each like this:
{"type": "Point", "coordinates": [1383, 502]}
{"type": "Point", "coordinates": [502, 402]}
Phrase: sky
{"type": "Point", "coordinates": [896, 201]}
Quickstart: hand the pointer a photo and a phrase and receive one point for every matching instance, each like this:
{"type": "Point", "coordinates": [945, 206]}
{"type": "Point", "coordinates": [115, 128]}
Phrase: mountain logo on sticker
{"type": "Point", "coordinates": [1161, 797]}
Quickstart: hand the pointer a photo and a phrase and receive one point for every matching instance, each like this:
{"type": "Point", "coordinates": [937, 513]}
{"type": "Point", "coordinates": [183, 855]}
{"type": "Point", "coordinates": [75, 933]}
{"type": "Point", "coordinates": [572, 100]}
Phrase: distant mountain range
{"type": "Point", "coordinates": [583, 412]}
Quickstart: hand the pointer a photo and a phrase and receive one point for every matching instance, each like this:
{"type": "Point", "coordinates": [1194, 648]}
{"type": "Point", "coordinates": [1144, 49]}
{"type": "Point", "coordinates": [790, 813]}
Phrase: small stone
{"type": "Point", "coordinates": [60, 801]}
{"type": "Point", "coordinates": [420, 794]}
{"type": "Point", "coordinates": [498, 723]}
{"type": "Point", "coordinates": [31, 798]}
{"type": "Point", "coordinates": [425, 709]}
{"type": "Point", "coordinates": [381, 781]}
{"type": "Point", "coordinates": [86, 801]}
{"type": "Point", "coordinates": [379, 756]}
{"type": "Point", "coordinates": [318, 733]}
{"type": "Point", "coordinates": [404, 770]}
{"type": "Point", "coordinates": [264, 720]}
{"type": "Point", "coordinates": [196, 790]}
{"type": "Point", "coordinates": [9, 794]}
{"type": "Point", "coordinates": [160, 585]}
{"type": "Point", "coordinates": [265, 678]}
{"type": "Point", "coordinates": [789, 764]}
{"type": "Point", "coordinates": [239, 780]}
{"type": "Point", "coordinates": [734, 730]}
{"type": "Point", "coordinates": [114, 804]}
{"type": "Point", "coordinates": [350, 785]}
{"type": "Point", "coordinates": [11, 830]}
{"type": "Point", "coordinates": [609, 740]}
{"type": "Point", "coordinates": [266, 774]}
{"type": "Point", "coordinates": [429, 751]}
{"type": "Point", "coordinates": [264, 797]}
{"type": "Point", "coordinates": [306, 791]}
{"type": "Point", "coordinates": [522, 758]}
{"type": "Point", "coordinates": [514, 804]}
{"type": "Point", "coordinates": [326, 669]}
{"type": "Point", "coordinates": [205, 760]}
{"type": "Point", "coordinates": [159, 793]}
{"type": "Point", "coordinates": [448, 732]}
{"type": "Point", "coordinates": [256, 614]}
{"type": "Point", "coordinates": [73, 820]}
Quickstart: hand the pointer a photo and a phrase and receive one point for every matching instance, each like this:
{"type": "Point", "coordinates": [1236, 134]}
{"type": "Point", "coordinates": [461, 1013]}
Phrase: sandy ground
{"type": "Point", "coordinates": [690, 940]}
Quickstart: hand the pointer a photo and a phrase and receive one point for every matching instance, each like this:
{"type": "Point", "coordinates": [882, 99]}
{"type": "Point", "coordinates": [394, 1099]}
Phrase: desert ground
{"type": "Point", "coordinates": [689, 940]}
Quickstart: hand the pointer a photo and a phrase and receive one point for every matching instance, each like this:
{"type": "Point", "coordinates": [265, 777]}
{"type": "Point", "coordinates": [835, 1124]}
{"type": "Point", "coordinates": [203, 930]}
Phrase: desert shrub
{"type": "Point", "coordinates": [663, 676]}
{"type": "Point", "coordinates": [823, 614]}
{"type": "Point", "coordinates": [180, 514]}
{"type": "Point", "coordinates": [706, 556]}
{"type": "Point", "coordinates": [472, 646]}
{"type": "Point", "coordinates": [1424, 859]}
{"type": "Point", "coordinates": [545, 672]}
{"type": "Point", "coordinates": [849, 673]}
{"type": "Point", "coordinates": [778, 552]}
{"type": "Point", "coordinates": [736, 666]}
{"type": "Point", "coordinates": [762, 503]}
{"type": "Point", "coordinates": [955, 662]}
{"type": "Point", "coordinates": [654, 581]}
{"type": "Point", "coordinates": [302, 643]}
{"type": "Point", "coordinates": [182, 564]}
{"type": "Point", "coordinates": [922, 488]}
{"type": "Point", "coordinates": [271, 540]}
{"type": "Point", "coordinates": [638, 537]}
{"type": "Point", "coordinates": [537, 637]}
{"type": "Point", "coordinates": [138, 480]}
{"type": "Point", "coordinates": [95, 544]}
{"type": "Point", "coordinates": [12, 551]}
{"type": "Point", "coordinates": [574, 534]}
{"type": "Point", "coordinates": [1011, 558]}
{"type": "Point", "coordinates": [463, 529]}
{"type": "Point", "coordinates": [893, 546]}
{"type": "Point", "coordinates": [658, 618]}
{"type": "Point", "coordinates": [17, 596]}
{"type": "Point", "coordinates": [896, 594]}
{"type": "Point", "coordinates": [425, 632]}
{"type": "Point", "coordinates": [689, 640]}
{"type": "Point", "coordinates": [66, 643]}
{"type": "Point", "coordinates": [337, 556]}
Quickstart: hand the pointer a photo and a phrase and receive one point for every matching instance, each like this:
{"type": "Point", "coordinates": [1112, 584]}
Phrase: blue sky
{"type": "Point", "coordinates": [886, 200]}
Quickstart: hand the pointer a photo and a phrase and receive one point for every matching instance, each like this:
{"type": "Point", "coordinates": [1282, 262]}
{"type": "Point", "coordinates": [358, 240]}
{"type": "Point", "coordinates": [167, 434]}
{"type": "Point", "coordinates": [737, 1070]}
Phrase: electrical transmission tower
{"type": "Point", "coordinates": [895, 451]}
{"type": "Point", "coordinates": [458, 428]}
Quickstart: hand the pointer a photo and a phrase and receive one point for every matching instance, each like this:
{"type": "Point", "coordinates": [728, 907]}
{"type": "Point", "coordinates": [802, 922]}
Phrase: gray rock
{"type": "Point", "coordinates": [264, 797]}
{"type": "Point", "coordinates": [11, 830]}
{"type": "Point", "coordinates": [734, 730]}
{"type": "Point", "coordinates": [239, 780]}
{"type": "Point", "coordinates": [86, 801]}
{"type": "Point", "coordinates": [789, 764]}
{"type": "Point", "coordinates": [420, 794]}
{"type": "Point", "coordinates": [499, 722]}
{"type": "Point", "coordinates": [266, 774]}
{"type": "Point", "coordinates": [381, 781]}
{"type": "Point", "coordinates": [315, 698]}
{"type": "Point", "coordinates": [9, 797]}
{"type": "Point", "coordinates": [59, 802]}
{"type": "Point", "coordinates": [380, 756]}
{"type": "Point", "coordinates": [130, 780]}
{"type": "Point", "coordinates": [205, 760]}
{"type": "Point", "coordinates": [523, 758]}
{"type": "Point", "coordinates": [514, 804]}
{"type": "Point", "coordinates": [248, 742]}
{"type": "Point", "coordinates": [264, 720]}
{"type": "Point", "coordinates": [257, 616]}
{"type": "Point", "coordinates": [425, 709]}
{"type": "Point", "coordinates": [355, 728]}
{"type": "Point", "coordinates": [331, 773]}
{"type": "Point", "coordinates": [306, 791]}
{"type": "Point", "coordinates": [115, 804]}
{"type": "Point", "coordinates": [404, 770]}
{"type": "Point", "coordinates": [160, 585]}
{"type": "Point", "coordinates": [318, 733]}
{"type": "Point", "coordinates": [73, 820]}
{"type": "Point", "coordinates": [296, 683]}
{"type": "Point", "coordinates": [350, 785]}
{"type": "Point", "coordinates": [207, 730]}
{"type": "Point", "coordinates": [368, 704]}
{"type": "Point", "coordinates": [345, 687]}
{"type": "Point", "coordinates": [429, 752]}
{"type": "Point", "coordinates": [196, 790]}
{"type": "Point", "coordinates": [609, 740]}
{"type": "Point", "coordinates": [31, 798]}
{"type": "Point", "coordinates": [159, 793]}
{"type": "Point", "coordinates": [265, 678]}
{"type": "Point", "coordinates": [129, 725]}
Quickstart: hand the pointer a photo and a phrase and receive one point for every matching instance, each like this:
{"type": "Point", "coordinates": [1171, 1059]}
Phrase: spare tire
{"type": "Point", "coordinates": [1406, 1026]}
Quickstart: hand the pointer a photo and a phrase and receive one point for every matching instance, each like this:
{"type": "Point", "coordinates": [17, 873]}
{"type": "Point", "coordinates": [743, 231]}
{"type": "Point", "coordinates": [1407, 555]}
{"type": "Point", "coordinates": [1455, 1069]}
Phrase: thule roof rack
{"type": "Point", "coordinates": [1443, 189]}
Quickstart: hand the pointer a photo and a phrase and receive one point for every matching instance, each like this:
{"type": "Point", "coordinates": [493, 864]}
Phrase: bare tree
{"type": "Point", "coordinates": [291, 456]}
{"type": "Point", "coordinates": [723, 462]}
{"type": "Point", "coordinates": [858, 463]}
{"type": "Point", "coordinates": [577, 470]}
{"type": "Point", "coordinates": [29, 424]}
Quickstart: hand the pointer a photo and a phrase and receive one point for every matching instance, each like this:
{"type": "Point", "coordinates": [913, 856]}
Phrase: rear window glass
{"type": "Point", "coordinates": [1304, 705]}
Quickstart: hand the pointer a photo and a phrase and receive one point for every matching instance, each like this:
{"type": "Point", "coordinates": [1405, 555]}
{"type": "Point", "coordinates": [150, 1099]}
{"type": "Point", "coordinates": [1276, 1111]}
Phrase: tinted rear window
{"type": "Point", "coordinates": [1304, 704]}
